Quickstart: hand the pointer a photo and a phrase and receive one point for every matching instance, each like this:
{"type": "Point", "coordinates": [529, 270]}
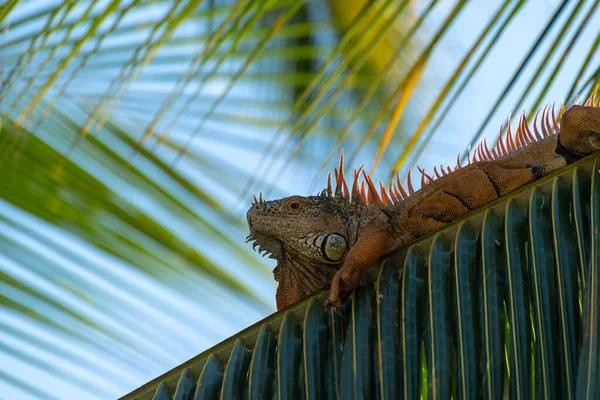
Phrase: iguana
{"type": "Point", "coordinates": [335, 237]}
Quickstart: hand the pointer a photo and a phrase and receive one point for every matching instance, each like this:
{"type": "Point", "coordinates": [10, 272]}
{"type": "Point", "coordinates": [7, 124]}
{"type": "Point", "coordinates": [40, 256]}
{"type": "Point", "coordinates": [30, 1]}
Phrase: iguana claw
{"type": "Point", "coordinates": [341, 283]}
{"type": "Point", "coordinates": [335, 305]}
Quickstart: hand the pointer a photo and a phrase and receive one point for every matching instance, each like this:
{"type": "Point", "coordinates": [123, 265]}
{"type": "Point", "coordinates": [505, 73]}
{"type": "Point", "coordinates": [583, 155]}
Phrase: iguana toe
{"type": "Point", "coordinates": [336, 305]}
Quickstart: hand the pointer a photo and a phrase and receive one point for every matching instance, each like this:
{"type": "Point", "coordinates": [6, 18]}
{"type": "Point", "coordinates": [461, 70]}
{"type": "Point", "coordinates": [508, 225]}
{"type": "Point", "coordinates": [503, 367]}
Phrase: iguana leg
{"type": "Point", "coordinates": [580, 130]}
{"type": "Point", "coordinates": [374, 242]}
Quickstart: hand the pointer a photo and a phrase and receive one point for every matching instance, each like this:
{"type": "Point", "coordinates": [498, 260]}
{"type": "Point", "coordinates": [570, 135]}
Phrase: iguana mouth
{"type": "Point", "coordinates": [264, 245]}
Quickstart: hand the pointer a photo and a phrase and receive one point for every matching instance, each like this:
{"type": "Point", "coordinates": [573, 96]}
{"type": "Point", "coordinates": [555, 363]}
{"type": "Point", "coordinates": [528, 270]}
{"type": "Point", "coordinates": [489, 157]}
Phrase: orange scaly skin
{"type": "Point", "coordinates": [334, 238]}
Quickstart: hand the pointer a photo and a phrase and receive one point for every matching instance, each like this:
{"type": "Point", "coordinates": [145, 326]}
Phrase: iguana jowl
{"type": "Point", "coordinates": [334, 238]}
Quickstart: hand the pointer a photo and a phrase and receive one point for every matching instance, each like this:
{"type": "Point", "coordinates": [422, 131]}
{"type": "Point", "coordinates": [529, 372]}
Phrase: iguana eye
{"type": "Point", "coordinates": [295, 205]}
{"type": "Point", "coordinates": [333, 247]}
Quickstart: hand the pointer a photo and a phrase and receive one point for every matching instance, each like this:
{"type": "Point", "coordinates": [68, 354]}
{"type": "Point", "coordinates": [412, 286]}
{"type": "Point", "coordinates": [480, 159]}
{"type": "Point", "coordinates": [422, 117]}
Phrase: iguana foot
{"type": "Point", "coordinates": [342, 284]}
{"type": "Point", "coordinates": [337, 307]}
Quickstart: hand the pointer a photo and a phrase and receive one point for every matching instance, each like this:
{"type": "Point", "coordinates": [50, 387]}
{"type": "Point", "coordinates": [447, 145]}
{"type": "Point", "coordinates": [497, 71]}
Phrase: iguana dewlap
{"type": "Point", "coordinates": [334, 238]}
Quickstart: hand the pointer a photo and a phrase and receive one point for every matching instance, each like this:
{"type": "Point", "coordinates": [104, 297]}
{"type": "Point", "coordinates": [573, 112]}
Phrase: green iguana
{"type": "Point", "coordinates": [335, 237]}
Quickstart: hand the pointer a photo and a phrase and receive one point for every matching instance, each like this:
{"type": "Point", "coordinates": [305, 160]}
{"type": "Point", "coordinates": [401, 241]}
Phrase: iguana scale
{"type": "Point", "coordinates": [335, 237]}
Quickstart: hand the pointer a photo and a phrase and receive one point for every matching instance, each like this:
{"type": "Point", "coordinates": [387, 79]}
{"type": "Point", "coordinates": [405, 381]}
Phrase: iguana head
{"type": "Point", "coordinates": [310, 236]}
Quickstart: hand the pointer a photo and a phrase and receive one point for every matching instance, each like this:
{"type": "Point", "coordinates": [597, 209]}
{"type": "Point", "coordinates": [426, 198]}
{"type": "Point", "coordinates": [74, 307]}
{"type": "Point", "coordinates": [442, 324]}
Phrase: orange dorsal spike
{"type": "Point", "coordinates": [399, 186]}
{"type": "Point", "coordinates": [521, 124]}
{"type": "Point", "coordinates": [358, 189]}
{"type": "Point", "coordinates": [519, 139]}
{"type": "Point", "coordinates": [385, 199]}
{"type": "Point", "coordinates": [329, 191]}
{"type": "Point", "coordinates": [535, 126]}
{"type": "Point", "coordinates": [373, 195]}
{"type": "Point", "coordinates": [339, 176]}
{"type": "Point", "coordinates": [524, 132]}
{"type": "Point", "coordinates": [543, 123]}
{"type": "Point", "coordinates": [411, 190]}
{"type": "Point", "coordinates": [590, 101]}
{"type": "Point", "coordinates": [562, 110]}
{"type": "Point", "coordinates": [345, 187]}
{"type": "Point", "coordinates": [487, 149]}
{"type": "Point", "coordinates": [530, 135]}
{"type": "Point", "coordinates": [338, 183]}
{"type": "Point", "coordinates": [509, 138]}
{"type": "Point", "coordinates": [520, 134]}
{"type": "Point", "coordinates": [500, 143]}
{"type": "Point", "coordinates": [495, 152]}
{"type": "Point", "coordinates": [498, 147]}
{"type": "Point", "coordinates": [355, 188]}
{"type": "Point", "coordinates": [363, 193]}
{"type": "Point", "coordinates": [512, 143]}
{"type": "Point", "coordinates": [425, 175]}
{"type": "Point", "coordinates": [423, 183]}
{"type": "Point", "coordinates": [479, 151]}
{"type": "Point", "coordinates": [398, 194]}
{"type": "Point", "coordinates": [526, 127]}
{"type": "Point", "coordinates": [548, 121]}
{"type": "Point", "coordinates": [554, 121]}
{"type": "Point", "coordinates": [393, 194]}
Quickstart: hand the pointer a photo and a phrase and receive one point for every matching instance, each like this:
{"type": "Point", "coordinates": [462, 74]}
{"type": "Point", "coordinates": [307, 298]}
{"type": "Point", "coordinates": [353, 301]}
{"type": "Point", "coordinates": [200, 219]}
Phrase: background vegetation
{"type": "Point", "coordinates": [133, 133]}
